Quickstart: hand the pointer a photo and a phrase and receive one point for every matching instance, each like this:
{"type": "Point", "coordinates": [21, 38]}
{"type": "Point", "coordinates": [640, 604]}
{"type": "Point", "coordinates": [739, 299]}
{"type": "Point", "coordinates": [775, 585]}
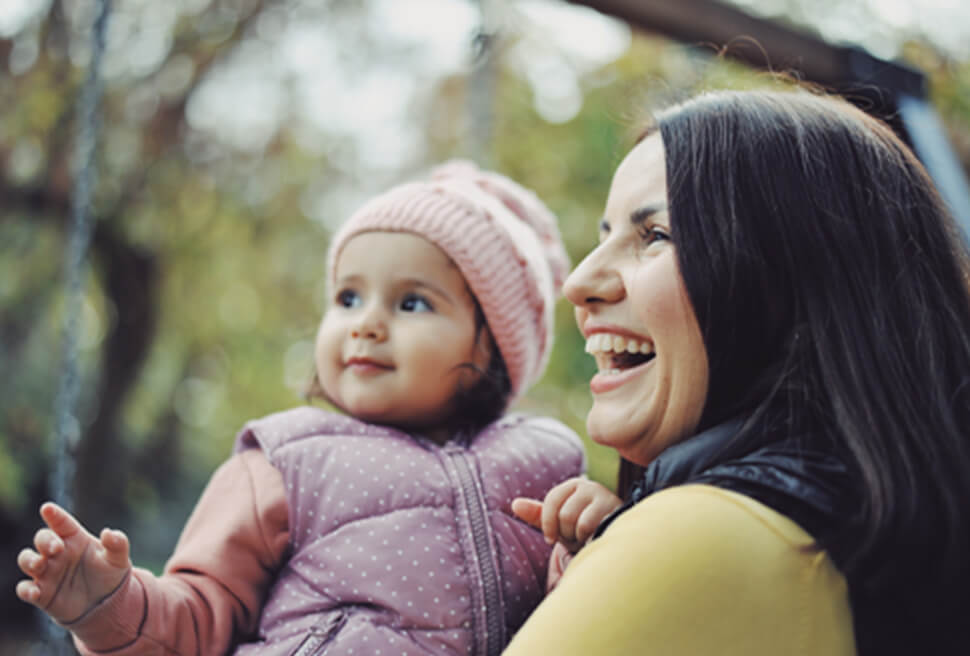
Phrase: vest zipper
{"type": "Point", "coordinates": [488, 615]}
{"type": "Point", "coordinates": [320, 636]}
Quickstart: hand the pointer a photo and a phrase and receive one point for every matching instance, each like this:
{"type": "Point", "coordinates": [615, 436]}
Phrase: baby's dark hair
{"type": "Point", "coordinates": [485, 401]}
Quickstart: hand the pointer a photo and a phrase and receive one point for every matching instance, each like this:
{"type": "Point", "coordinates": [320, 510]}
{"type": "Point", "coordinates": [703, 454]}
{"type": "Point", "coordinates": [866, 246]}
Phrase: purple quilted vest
{"type": "Point", "coordinates": [401, 547]}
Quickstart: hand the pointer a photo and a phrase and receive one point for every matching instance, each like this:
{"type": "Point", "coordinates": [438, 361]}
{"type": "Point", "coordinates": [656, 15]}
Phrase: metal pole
{"type": "Point", "coordinates": [925, 131]}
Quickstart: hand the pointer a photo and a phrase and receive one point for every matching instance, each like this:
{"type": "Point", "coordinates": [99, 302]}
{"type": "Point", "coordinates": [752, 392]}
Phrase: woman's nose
{"type": "Point", "coordinates": [594, 280]}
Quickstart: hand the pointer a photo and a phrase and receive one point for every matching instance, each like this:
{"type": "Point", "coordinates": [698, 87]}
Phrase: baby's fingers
{"type": "Point", "coordinates": [47, 543]}
{"type": "Point", "coordinates": [116, 547]}
{"type": "Point", "coordinates": [28, 591]}
{"type": "Point", "coordinates": [551, 507]}
{"type": "Point", "coordinates": [31, 563]}
{"type": "Point", "coordinates": [528, 510]}
{"type": "Point", "coordinates": [59, 520]}
{"type": "Point", "coordinates": [570, 514]}
{"type": "Point", "coordinates": [589, 520]}
{"type": "Point", "coordinates": [594, 514]}
{"type": "Point", "coordinates": [45, 573]}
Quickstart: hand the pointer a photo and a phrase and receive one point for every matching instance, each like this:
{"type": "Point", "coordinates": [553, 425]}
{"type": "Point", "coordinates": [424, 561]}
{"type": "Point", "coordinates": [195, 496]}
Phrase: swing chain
{"type": "Point", "coordinates": [481, 85]}
{"type": "Point", "coordinates": [66, 426]}
{"type": "Point", "coordinates": [67, 430]}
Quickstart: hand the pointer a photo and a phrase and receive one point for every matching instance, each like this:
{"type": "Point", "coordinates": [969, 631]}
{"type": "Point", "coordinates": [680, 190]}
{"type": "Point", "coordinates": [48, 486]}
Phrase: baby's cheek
{"type": "Point", "coordinates": [326, 364]}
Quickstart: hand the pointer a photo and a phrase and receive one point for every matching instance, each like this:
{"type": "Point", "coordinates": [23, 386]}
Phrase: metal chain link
{"type": "Point", "coordinates": [481, 86]}
{"type": "Point", "coordinates": [67, 428]}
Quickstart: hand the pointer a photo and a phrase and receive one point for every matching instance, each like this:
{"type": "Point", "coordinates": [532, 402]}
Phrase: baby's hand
{"type": "Point", "coordinates": [71, 570]}
{"type": "Point", "coordinates": [570, 512]}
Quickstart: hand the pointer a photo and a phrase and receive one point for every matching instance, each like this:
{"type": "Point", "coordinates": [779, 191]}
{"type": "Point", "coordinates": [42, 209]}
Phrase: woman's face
{"type": "Point", "coordinates": [632, 307]}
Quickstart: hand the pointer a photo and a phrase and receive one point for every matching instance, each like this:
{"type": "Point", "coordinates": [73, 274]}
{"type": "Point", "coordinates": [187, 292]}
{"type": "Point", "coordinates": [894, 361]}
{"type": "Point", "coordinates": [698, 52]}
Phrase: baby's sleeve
{"type": "Point", "coordinates": [211, 592]}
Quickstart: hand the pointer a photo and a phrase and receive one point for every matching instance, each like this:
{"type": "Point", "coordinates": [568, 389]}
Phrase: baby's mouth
{"type": "Point", "coordinates": [617, 353]}
{"type": "Point", "coordinates": [369, 363]}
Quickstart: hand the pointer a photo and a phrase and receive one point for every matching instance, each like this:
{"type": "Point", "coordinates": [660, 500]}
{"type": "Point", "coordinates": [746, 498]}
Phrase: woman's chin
{"type": "Point", "coordinates": [639, 446]}
{"type": "Point", "coordinates": [602, 427]}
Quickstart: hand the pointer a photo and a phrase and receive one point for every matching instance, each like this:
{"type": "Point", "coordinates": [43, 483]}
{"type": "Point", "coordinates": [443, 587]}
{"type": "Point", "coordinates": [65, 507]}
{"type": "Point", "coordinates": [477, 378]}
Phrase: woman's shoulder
{"type": "Point", "coordinates": [703, 513]}
{"type": "Point", "coordinates": [695, 570]}
{"type": "Point", "coordinates": [727, 537]}
{"type": "Point", "coordinates": [717, 562]}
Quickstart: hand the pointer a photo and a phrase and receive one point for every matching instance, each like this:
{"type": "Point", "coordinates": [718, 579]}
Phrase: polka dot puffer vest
{"type": "Point", "coordinates": [400, 546]}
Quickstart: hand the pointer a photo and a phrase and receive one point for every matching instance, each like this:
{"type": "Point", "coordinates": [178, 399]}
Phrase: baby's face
{"type": "Point", "coordinates": [400, 323]}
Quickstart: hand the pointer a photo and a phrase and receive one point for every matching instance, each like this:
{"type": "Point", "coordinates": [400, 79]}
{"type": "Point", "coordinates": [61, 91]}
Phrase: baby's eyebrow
{"type": "Point", "coordinates": [347, 279]}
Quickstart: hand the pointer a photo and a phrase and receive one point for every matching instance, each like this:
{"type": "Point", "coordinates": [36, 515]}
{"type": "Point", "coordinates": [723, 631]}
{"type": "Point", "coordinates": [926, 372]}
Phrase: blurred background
{"type": "Point", "coordinates": [235, 135]}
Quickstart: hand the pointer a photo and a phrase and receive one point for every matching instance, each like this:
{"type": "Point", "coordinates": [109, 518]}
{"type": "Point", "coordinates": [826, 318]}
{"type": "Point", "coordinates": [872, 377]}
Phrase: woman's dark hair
{"type": "Point", "coordinates": [830, 284]}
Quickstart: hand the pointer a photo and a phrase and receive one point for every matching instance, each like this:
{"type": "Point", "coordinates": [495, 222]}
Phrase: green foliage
{"type": "Point", "coordinates": [206, 278]}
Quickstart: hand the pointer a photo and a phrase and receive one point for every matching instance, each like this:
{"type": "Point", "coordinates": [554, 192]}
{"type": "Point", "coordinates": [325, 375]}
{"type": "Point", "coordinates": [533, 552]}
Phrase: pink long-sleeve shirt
{"type": "Point", "coordinates": [214, 584]}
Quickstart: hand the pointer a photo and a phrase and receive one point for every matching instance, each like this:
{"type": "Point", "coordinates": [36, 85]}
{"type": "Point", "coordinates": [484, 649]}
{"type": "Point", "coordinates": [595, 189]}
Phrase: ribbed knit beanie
{"type": "Point", "coordinates": [503, 239]}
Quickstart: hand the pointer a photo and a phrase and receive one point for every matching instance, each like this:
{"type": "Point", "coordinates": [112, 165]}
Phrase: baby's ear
{"type": "Point", "coordinates": [313, 389]}
{"type": "Point", "coordinates": [528, 510]}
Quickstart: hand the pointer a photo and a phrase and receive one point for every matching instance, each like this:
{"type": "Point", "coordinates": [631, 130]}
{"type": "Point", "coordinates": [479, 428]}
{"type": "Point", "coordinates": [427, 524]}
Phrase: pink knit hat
{"type": "Point", "coordinates": [503, 239]}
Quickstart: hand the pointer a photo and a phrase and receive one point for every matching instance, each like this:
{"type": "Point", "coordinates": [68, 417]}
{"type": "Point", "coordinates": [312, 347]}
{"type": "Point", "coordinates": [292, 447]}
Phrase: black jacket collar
{"type": "Point", "coordinates": [805, 484]}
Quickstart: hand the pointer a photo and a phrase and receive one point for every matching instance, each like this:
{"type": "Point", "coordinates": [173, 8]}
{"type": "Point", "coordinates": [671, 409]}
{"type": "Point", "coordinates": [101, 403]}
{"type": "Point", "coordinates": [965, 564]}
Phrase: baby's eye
{"type": "Point", "coordinates": [415, 303]}
{"type": "Point", "coordinates": [604, 230]}
{"type": "Point", "coordinates": [348, 298]}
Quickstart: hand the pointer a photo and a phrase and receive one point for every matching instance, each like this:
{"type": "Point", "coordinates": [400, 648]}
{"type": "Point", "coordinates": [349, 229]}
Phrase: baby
{"type": "Point", "coordinates": [385, 528]}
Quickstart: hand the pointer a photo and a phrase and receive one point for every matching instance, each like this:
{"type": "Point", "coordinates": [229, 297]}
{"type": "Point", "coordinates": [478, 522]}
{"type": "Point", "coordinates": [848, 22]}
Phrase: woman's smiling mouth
{"type": "Point", "coordinates": [618, 358]}
{"type": "Point", "coordinates": [618, 352]}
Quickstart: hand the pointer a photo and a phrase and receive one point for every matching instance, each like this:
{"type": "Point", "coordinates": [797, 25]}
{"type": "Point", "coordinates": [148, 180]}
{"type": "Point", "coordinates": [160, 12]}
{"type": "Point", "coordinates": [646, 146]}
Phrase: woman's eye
{"type": "Point", "coordinates": [654, 234]}
{"type": "Point", "coordinates": [348, 298]}
{"type": "Point", "coordinates": [415, 303]}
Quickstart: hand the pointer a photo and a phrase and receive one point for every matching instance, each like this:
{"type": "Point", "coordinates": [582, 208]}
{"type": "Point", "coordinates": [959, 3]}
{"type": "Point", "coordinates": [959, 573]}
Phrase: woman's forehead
{"type": "Point", "coordinates": [639, 182]}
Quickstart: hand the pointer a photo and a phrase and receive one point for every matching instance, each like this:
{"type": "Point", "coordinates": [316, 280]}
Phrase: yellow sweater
{"type": "Point", "coordinates": [691, 571]}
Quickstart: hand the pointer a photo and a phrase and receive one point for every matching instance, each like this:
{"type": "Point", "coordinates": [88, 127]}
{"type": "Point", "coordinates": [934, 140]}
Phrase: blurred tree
{"type": "Point", "coordinates": [206, 278]}
{"type": "Point", "coordinates": [149, 210]}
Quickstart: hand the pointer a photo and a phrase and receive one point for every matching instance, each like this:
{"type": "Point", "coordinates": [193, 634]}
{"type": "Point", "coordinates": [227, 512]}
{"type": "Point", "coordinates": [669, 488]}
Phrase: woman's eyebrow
{"type": "Point", "coordinates": [641, 214]}
{"type": "Point", "coordinates": [637, 216]}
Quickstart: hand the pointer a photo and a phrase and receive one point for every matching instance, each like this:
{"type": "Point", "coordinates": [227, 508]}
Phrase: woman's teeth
{"type": "Point", "coordinates": [607, 343]}
{"type": "Point", "coordinates": [617, 353]}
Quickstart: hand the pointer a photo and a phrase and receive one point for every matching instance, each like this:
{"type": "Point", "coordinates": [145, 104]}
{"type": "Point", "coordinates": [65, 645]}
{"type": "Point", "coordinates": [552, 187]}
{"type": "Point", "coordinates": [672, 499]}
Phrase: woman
{"type": "Point", "coordinates": [779, 311]}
